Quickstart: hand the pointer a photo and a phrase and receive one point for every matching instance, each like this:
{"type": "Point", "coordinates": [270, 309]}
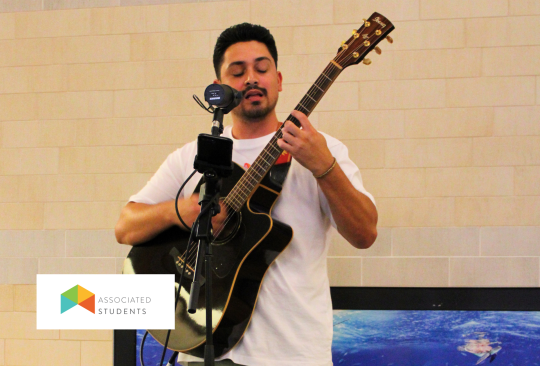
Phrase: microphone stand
{"type": "Point", "coordinates": [209, 201]}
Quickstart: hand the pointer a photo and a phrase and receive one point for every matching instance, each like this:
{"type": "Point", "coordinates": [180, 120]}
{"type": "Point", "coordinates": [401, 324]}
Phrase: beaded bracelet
{"type": "Point", "coordinates": [328, 171]}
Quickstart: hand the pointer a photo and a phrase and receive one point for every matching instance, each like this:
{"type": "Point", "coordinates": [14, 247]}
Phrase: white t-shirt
{"type": "Point", "coordinates": [292, 321]}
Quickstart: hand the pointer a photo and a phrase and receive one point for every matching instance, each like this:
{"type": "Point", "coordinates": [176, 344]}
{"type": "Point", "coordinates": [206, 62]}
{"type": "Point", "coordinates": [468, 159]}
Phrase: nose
{"type": "Point", "coordinates": [251, 78]}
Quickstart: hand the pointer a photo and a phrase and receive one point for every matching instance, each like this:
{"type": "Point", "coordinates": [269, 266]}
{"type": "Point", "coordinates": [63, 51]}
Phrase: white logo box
{"type": "Point", "coordinates": [121, 301]}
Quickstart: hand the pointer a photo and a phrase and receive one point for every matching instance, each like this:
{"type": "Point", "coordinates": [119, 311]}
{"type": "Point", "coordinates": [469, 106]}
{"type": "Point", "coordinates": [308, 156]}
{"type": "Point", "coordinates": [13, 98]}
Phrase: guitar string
{"type": "Point", "coordinates": [329, 68]}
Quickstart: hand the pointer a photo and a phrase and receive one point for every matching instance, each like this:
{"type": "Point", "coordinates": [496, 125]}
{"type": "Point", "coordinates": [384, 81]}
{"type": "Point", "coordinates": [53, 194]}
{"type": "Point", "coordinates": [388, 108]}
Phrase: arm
{"type": "Point", "coordinates": [309, 148]}
{"type": "Point", "coordinates": [354, 213]}
{"type": "Point", "coordinates": [140, 222]}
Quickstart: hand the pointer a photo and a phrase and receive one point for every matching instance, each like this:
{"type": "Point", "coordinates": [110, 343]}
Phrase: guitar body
{"type": "Point", "coordinates": [239, 266]}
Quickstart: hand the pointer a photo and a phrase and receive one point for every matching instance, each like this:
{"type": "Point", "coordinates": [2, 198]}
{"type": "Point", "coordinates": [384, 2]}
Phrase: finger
{"type": "Point", "coordinates": [291, 128]}
{"type": "Point", "coordinates": [289, 138]}
{"type": "Point", "coordinates": [283, 145]}
{"type": "Point", "coordinates": [303, 119]}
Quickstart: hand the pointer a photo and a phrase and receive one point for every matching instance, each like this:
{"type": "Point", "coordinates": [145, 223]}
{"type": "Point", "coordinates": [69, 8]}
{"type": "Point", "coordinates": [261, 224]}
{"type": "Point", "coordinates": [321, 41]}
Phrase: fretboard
{"type": "Point", "coordinates": [240, 193]}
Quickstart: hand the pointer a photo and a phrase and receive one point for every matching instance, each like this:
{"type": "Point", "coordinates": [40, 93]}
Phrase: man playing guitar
{"type": "Point", "coordinates": [292, 321]}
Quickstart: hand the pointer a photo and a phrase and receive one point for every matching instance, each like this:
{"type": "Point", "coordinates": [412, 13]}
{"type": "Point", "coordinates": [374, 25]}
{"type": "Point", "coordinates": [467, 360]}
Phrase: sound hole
{"type": "Point", "coordinates": [230, 229]}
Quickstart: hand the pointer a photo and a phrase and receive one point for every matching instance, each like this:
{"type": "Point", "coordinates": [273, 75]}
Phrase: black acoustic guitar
{"type": "Point", "coordinates": [251, 240]}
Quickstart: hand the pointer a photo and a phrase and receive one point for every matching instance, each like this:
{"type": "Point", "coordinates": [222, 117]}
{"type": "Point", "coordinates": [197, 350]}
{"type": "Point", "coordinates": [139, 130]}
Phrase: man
{"type": "Point", "coordinates": [292, 321]}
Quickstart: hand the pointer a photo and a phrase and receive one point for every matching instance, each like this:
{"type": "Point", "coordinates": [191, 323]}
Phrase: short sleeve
{"type": "Point", "coordinates": [341, 153]}
{"type": "Point", "coordinates": [164, 184]}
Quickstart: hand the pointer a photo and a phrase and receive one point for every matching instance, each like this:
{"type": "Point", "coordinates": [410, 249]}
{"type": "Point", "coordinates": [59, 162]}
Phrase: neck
{"type": "Point", "coordinates": [249, 129]}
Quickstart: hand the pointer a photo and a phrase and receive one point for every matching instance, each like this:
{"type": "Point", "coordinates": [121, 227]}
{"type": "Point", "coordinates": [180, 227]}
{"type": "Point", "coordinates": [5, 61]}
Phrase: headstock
{"type": "Point", "coordinates": [364, 40]}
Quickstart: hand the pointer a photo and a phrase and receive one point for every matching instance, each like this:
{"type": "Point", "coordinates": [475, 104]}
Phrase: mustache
{"type": "Point", "coordinates": [254, 87]}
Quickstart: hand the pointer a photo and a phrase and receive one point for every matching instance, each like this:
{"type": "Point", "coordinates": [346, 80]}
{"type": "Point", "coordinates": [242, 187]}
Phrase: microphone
{"type": "Point", "coordinates": [222, 96]}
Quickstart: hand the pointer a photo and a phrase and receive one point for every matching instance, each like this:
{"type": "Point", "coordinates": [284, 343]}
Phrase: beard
{"type": "Point", "coordinates": [256, 111]}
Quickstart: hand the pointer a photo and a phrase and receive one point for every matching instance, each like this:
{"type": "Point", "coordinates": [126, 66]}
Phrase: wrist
{"type": "Point", "coordinates": [327, 171]}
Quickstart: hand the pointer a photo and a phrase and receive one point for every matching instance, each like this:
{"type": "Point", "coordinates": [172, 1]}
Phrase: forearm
{"type": "Point", "coordinates": [140, 222]}
{"type": "Point", "coordinates": [354, 213]}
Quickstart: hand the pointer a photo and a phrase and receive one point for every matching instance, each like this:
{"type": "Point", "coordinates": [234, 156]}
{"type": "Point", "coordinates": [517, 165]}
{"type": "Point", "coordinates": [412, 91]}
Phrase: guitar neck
{"type": "Point", "coordinates": [266, 159]}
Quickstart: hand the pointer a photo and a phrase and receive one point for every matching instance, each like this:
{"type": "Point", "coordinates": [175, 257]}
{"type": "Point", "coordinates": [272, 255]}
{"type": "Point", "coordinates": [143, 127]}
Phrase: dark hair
{"type": "Point", "coordinates": [244, 32]}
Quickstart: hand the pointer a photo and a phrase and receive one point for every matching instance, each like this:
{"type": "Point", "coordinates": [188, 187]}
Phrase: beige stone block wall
{"type": "Point", "coordinates": [444, 125]}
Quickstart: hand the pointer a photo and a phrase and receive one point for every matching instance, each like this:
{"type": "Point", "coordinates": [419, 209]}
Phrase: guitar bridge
{"type": "Point", "coordinates": [179, 262]}
{"type": "Point", "coordinates": [180, 266]}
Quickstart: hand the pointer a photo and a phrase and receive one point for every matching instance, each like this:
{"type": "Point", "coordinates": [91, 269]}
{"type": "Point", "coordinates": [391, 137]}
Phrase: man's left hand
{"type": "Point", "coordinates": [306, 145]}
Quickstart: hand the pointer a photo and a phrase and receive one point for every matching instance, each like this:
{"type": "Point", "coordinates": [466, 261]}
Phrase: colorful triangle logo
{"type": "Point", "coordinates": [77, 295]}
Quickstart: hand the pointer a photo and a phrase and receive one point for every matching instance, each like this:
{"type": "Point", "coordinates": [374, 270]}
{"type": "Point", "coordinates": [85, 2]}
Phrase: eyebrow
{"type": "Point", "coordinates": [262, 58]}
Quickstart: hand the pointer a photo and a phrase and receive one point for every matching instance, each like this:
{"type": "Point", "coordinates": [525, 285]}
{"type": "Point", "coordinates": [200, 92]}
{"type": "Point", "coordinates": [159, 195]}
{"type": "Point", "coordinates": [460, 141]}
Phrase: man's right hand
{"type": "Point", "coordinates": [217, 221]}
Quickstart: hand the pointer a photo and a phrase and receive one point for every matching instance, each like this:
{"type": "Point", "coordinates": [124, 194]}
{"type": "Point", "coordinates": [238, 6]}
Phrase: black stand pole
{"type": "Point", "coordinates": [209, 201]}
{"type": "Point", "coordinates": [172, 358]}
{"type": "Point", "coordinates": [209, 208]}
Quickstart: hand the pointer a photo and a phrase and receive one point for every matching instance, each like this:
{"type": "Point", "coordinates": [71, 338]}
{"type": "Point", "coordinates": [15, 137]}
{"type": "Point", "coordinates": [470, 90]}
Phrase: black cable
{"type": "Point", "coordinates": [141, 349]}
{"type": "Point", "coordinates": [209, 109]}
{"type": "Point", "coordinates": [183, 271]}
{"type": "Point", "coordinates": [185, 262]}
{"type": "Point", "coordinates": [177, 297]}
{"type": "Point", "coordinates": [176, 200]}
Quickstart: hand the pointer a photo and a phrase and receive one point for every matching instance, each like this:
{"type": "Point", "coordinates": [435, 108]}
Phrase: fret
{"type": "Point", "coordinates": [305, 108]}
{"type": "Point", "coordinates": [323, 74]}
{"type": "Point", "coordinates": [315, 85]}
{"type": "Point", "coordinates": [267, 153]}
{"type": "Point", "coordinates": [311, 96]}
{"type": "Point", "coordinates": [276, 149]}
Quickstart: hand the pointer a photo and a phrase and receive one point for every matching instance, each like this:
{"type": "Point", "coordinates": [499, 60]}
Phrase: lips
{"type": "Point", "coordinates": [254, 95]}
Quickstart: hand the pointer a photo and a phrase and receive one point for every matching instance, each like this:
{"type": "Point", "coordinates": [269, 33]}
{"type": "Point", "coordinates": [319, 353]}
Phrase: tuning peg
{"type": "Point", "coordinates": [367, 61]}
{"type": "Point", "coordinates": [366, 23]}
{"type": "Point", "coordinates": [378, 50]}
{"type": "Point", "coordinates": [389, 39]}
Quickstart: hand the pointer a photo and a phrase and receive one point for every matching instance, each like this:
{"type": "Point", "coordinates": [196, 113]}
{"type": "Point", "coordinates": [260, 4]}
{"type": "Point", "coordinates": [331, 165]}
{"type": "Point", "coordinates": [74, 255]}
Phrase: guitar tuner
{"type": "Point", "coordinates": [389, 39]}
{"type": "Point", "coordinates": [367, 61]}
{"type": "Point", "coordinates": [378, 50]}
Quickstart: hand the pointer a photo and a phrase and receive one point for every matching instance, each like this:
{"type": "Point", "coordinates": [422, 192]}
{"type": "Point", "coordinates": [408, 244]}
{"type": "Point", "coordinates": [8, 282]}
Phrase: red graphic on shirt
{"type": "Point", "coordinates": [246, 166]}
{"type": "Point", "coordinates": [284, 158]}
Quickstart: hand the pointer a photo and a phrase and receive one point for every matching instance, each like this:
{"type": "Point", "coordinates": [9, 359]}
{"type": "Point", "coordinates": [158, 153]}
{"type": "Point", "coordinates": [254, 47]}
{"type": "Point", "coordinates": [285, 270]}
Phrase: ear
{"type": "Point", "coordinates": [280, 80]}
{"type": "Point", "coordinates": [216, 81]}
